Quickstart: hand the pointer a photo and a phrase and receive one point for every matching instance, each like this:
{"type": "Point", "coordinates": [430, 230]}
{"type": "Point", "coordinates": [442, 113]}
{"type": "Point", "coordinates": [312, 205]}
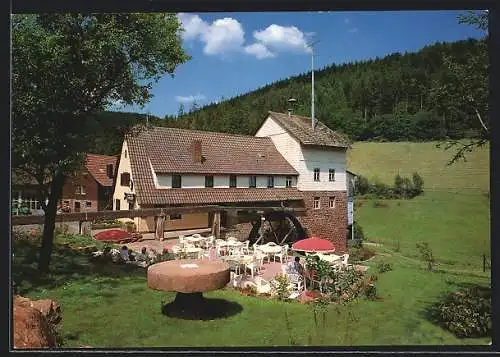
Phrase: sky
{"type": "Point", "coordinates": [235, 53]}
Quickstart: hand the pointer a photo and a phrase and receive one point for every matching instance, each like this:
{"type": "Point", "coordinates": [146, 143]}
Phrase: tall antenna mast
{"type": "Point", "coordinates": [311, 45]}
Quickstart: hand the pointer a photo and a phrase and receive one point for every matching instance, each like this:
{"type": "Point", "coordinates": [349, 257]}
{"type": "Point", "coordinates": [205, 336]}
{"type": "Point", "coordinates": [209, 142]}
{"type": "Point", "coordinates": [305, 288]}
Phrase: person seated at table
{"type": "Point", "coordinates": [294, 267]}
{"type": "Point", "coordinates": [124, 254]}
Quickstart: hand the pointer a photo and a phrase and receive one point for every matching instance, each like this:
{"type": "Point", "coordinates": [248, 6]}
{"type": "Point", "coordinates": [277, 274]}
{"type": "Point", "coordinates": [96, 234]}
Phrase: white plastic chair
{"type": "Point", "coordinates": [245, 248]}
{"type": "Point", "coordinates": [232, 239]}
{"type": "Point", "coordinates": [263, 286]}
{"type": "Point", "coordinates": [296, 283]}
{"type": "Point", "coordinates": [253, 266]}
{"type": "Point", "coordinates": [283, 255]}
{"type": "Point", "coordinates": [196, 235]}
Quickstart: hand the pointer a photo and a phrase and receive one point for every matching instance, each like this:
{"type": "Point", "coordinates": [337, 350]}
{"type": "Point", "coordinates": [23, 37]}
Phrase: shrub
{"type": "Point", "coordinates": [358, 231]}
{"type": "Point", "coordinates": [418, 184]}
{"type": "Point", "coordinates": [370, 292]}
{"type": "Point", "coordinates": [280, 286]}
{"type": "Point", "coordinates": [360, 254]}
{"type": "Point", "coordinates": [362, 186]}
{"type": "Point", "coordinates": [426, 254]}
{"type": "Point", "coordinates": [377, 204]}
{"type": "Point", "coordinates": [383, 267]}
{"type": "Point", "coordinates": [467, 313]}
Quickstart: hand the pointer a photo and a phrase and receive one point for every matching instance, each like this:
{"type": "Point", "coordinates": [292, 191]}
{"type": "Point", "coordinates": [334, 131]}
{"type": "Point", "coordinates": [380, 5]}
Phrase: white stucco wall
{"type": "Point", "coordinates": [221, 181]}
{"type": "Point", "coordinates": [119, 192]}
{"type": "Point", "coordinates": [305, 159]}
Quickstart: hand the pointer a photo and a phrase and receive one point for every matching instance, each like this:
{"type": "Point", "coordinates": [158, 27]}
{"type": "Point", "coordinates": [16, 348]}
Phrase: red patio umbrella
{"type": "Point", "coordinates": [313, 244]}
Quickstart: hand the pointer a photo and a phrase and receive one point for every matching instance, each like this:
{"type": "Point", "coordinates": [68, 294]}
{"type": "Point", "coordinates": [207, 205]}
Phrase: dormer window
{"type": "Point", "coordinates": [288, 182]}
{"type": "Point", "coordinates": [316, 174]}
{"type": "Point", "coordinates": [270, 181]}
{"type": "Point", "coordinates": [209, 181]}
{"type": "Point", "coordinates": [109, 170]}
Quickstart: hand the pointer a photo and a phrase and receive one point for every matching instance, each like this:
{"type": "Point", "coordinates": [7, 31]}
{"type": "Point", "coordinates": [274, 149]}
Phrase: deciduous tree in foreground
{"type": "Point", "coordinates": [65, 68]}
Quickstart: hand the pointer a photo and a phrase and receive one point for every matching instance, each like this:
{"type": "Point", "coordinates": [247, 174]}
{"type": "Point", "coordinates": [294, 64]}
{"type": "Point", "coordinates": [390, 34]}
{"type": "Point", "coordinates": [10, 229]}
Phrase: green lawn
{"type": "Point", "coordinates": [111, 306]}
{"type": "Point", "coordinates": [384, 160]}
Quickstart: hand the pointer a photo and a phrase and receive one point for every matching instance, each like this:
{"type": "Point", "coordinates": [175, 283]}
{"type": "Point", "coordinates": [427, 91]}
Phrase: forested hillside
{"type": "Point", "coordinates": [395, 98]}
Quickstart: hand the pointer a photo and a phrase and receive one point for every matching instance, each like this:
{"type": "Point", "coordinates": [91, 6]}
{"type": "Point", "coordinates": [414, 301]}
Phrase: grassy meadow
{"type": "Point", "coordinates": [112, 306]}
{"type": "Point", "coordinates": [383, 161]}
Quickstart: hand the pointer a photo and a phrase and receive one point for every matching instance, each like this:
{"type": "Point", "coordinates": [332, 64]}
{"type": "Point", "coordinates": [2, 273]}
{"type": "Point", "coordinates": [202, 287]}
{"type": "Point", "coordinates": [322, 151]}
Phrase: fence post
{"type": "Point", "coordinates": [484, 263]}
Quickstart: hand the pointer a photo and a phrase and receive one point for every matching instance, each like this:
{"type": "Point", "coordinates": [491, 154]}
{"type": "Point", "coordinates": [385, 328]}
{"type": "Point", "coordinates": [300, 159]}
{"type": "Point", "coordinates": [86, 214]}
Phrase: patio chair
{"type": "Point", "coordinates": [296, 283]}
{"type": "Point", "coordinates": [283, 255]}
{"type": "Point", "coordinates": [254, 266]}
{"type": "Point", "coordinates": [260, 256]}
{"type": "Point", "coordinates": [232, 239]}
{"type": "Point", "coordinates": [245, 248]}
{"type": "Point", "coordinates": [234, 266]}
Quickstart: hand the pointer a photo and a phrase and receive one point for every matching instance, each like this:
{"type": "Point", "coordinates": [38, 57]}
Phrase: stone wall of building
{"type": "Point", "coordinates": [326, 222]}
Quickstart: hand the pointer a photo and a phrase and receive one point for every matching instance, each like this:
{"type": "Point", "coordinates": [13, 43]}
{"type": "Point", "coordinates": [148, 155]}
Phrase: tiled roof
{"type": "Point", "coordinates": [96, 165]}
{"type": "Point", "coordinates": [176, 196]}
{"type": "Point", "coordinates": [169, 151]}
{"type": "Point", "coordinates": [300, 128]}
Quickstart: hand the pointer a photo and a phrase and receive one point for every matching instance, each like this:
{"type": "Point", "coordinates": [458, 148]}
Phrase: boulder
{"type": "Point", "coordinates": [35, 322]}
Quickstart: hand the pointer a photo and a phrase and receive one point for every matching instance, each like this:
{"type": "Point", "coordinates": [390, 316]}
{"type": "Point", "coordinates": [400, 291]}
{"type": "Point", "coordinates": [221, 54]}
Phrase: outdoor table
{"type": "Point", "coordinates": [189, 278]}
{"type": "Point", "coordinates": [270, 250]}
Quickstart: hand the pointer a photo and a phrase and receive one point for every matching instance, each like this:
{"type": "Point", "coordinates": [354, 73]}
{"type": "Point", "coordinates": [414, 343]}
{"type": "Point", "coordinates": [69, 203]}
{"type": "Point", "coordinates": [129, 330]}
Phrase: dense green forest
{"type": "Point", "coordinates": [389, 99]}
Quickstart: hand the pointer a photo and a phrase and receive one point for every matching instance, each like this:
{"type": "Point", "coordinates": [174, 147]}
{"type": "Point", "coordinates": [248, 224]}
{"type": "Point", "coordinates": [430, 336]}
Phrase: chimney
{"type": "Point", "coordinates": [196, 151]}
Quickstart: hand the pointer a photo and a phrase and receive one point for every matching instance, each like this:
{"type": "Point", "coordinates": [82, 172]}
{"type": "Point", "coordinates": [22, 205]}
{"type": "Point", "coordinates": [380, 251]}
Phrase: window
{"type": "Point", "coordinates": [270, 181]}
{"type": "Point", "coordinates": [232, 180]}
{"type": "Point", "coordinates": [125, 179]}
{"type": "Point", "coordinates": [252, 182]}
{"type": "Point", "coordinates": [131, 185]}
{"type": "Point", "coordinates": [109, 170]}
{"type": "Point", "coordinates": [316, 174]}
{"type": "Point", "coordinates": [80, 190]}
{"type": "Point", "coordinates": [331, 202]}
{"type": "Point", "coordinates": [316, 203]}
{"type": "Point", "coordinates": [288, 182]}
{"type": "Point", "coordinates": [117, 205]}
{"type": "Point", "coordinates": [331, 175]}
{"type": "Point", "coordinates": [125, 153]}
{"type": "Point", "coordinates": [77, 206]}
{"type": "Point", "coordinates": [176, 181]}
{"type": "Point", "coordinates": [175, 216]}
{"type": "Point", "coordinates": [88, 204]}
{"type": "Point", "coordinates": [131, 206]}
{"type": "Point", "coordinates": [209, 181]}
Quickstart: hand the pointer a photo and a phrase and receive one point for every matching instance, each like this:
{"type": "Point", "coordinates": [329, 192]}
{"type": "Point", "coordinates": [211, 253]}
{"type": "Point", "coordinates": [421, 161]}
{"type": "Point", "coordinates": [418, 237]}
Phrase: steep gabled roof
{"type": "Point", "coordinates": [96, 165]}
{"type": "Point", "coordinates": [169, 150]}
{"type": "Point", "coordinates": [300, 128]}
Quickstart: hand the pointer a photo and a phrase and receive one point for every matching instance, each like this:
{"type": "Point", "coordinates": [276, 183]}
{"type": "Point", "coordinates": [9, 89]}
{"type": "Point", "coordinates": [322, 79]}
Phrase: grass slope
{"type": "Point", "coordinates": [382, 161]}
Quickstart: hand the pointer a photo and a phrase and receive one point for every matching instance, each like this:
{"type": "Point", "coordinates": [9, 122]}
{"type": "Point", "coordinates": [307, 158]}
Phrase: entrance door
{"type": "Point", "coordinates": [77, 206]}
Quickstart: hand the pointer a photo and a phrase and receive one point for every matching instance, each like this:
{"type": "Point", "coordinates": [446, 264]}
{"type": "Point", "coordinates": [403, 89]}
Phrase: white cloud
{"type": "Point", "coordinates": [227, 35]}
{"type": "Point", "coordinates": [221, 36]}
{"type": "Point", "coordinates": [190, 98]}
{"type": "Point", "coordinates": [259, 50]}
{"type": "Point", "coordinates": [353, 30]}
{"type": "Point", "coordinates": [282, 38]}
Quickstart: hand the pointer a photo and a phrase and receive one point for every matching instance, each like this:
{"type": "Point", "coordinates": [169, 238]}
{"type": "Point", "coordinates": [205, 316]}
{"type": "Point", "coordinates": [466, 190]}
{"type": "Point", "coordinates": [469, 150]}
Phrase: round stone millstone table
{"type": "Point", "coordinates": [189, 278]}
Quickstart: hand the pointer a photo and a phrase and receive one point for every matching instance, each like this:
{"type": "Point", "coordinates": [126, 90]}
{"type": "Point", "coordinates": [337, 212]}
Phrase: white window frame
{"type": "Point", "coordinates": [331, 175]}
{"type": "Point", "coordinates": [316, 175]}
{"type": "Point", "coordinates": [316, 202]}
{"type": "Point", "coordinates": [288, 181]}
{"type": "Point", "coordinates": [331, 202]}
{"type": "Point", "coordinates": [81, 190]}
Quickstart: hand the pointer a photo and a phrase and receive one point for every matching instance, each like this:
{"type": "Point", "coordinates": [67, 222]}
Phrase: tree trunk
{"type": "Point", "coordinates": [49, 223]}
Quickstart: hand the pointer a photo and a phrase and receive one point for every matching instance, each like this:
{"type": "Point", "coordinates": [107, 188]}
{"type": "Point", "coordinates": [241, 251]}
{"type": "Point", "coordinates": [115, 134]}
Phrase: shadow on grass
{"type": "Point", "coordinates": [67, 264]}
{"type": "Point", "coordinates": [209, 309]}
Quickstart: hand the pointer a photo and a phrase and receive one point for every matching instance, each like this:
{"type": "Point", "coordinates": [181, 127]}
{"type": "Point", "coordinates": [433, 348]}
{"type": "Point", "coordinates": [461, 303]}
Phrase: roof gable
{"type": "Point", "coordinates": [300, 128]}
{"type": "Point", "coordinates": [97, 167]}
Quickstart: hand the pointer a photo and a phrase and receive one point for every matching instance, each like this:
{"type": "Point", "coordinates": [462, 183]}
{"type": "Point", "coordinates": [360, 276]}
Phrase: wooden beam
{"type": "Point", "coordinates": [146, 212]}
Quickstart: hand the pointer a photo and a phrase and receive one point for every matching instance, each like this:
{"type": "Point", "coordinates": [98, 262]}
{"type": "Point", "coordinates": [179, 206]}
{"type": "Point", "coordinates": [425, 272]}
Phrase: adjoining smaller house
{"type": "Point", "coordinates": [91, 189]}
